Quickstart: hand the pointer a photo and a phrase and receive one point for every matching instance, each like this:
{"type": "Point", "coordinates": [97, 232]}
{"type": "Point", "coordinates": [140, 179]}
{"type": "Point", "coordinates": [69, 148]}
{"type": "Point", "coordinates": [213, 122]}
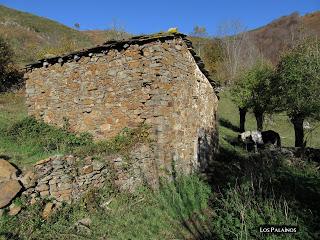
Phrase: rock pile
{"type": "Point", "coordinates": [66, 178]}
{"type": "Point", "coordinates": [59, 178]}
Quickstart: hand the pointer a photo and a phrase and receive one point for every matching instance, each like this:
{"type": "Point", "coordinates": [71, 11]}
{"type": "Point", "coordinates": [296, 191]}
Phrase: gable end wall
{"type": "Point", "coordinates": [157, 83]}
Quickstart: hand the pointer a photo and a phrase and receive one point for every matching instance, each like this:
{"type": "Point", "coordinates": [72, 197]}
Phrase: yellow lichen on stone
{"type": "Point", "coordinates": [173, 30]}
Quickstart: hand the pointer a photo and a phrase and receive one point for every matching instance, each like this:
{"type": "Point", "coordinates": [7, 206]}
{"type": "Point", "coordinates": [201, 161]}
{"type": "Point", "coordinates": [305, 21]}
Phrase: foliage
{"type": "Point", "coordinates": [240, 212]}
{"type": "Point", "coordinates": [116, 32]}
{"type": "Point", "coordinates": [253, 89]}
{"type": "Point", "coordinates": [38, 138]}
{"type": "Point", "coordinates": [9, 75]}
{"type": "Point", "coordinates": [47, 138]}
{"type": "Point", "coordinates": [199, 31]}
{"type": "Point", "coordinates": [297, 82]}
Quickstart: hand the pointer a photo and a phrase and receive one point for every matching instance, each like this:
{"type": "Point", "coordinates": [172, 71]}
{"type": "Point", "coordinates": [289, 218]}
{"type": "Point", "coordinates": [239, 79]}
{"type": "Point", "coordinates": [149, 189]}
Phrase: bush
{"type": "Point", "coordinates": [9, 75]}
{"type": "Point", "coordinates": [47, 138]}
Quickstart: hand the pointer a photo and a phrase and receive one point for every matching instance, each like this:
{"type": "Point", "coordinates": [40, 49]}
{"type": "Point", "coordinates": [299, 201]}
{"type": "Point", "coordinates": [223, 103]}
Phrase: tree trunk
{"type": "Point", "coordinates": [242, 112]}
{"type": "Point", "coordinates": [297, 122]}
{"type": "Point", "coordinates": [259, 119]}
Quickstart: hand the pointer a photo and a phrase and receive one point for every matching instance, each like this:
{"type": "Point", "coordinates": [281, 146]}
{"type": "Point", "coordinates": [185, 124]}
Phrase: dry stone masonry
{"type": "Point", "coordinates": [66, 178]}
{"type": "Point", "coordinates": [157, 80]}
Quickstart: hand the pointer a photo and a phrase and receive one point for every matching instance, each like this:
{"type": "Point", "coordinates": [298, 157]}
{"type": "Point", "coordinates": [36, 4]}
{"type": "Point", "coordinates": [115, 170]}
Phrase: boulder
{"type": "Point", "coordinates": [85, 221]}
{"type": "Point", "coordinates": [28, 179]}
{"type": "Point", "coordinates": [48, 209]}
{"type": "Point", "coordinates": [7, 171]}
{"type": "Point", "coordinates": [83, 225]}
{"type": "Point", "coordinates": [14, 209]}
{"type": "Point", "coordinates": [8, 192]}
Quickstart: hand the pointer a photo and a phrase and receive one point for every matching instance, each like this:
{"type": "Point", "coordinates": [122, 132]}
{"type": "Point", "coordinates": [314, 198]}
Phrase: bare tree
{"type": "Point", "coordinates": [198, 33]}
{"type": "Point", "coordinates": [239, 51]}
{"type": "Point", "coordinates": [117, 31]}
{"type": "Point", "coordinates": [239, 54]}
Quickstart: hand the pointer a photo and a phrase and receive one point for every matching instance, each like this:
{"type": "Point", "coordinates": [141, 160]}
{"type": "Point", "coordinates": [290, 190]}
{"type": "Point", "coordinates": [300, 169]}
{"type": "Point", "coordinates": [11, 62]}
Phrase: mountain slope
{"type": "Point", "coordinates": [278, 35]}
{"type": "Point", "coordinates": [32, 36]}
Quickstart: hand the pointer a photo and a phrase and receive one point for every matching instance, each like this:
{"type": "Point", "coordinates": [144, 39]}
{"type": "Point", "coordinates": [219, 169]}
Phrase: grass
{"type": "Point", "coordinates": [243, 190]}
{"type": "Point", "coordinates": [13, 110]}
{"type": "Point", "coordinates": [24, 140]}
{"type": "Point", "coordinates": [142, 215]}
{"type": "Point", "coordinates": [257, 189]}
{"type": "Point", "coordinates": [229, 121]}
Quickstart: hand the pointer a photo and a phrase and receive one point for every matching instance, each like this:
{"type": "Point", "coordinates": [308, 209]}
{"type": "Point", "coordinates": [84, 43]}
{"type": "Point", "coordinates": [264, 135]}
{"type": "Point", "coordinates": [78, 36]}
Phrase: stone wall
{"type": "Point", "coordinates": [64, 178]}
{"type": "Point", "coordinates": [155, 82]}
{"type": "Point", "coordinates": [67, 178]}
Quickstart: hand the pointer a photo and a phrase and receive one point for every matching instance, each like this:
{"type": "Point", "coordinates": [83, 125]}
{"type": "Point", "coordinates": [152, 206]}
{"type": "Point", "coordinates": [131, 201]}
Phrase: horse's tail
{"type": "Point", "coordinates": [278, 140]}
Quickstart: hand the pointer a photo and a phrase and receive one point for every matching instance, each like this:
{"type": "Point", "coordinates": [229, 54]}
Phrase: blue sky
{"type": "Point", "coordinates": [148, 16]}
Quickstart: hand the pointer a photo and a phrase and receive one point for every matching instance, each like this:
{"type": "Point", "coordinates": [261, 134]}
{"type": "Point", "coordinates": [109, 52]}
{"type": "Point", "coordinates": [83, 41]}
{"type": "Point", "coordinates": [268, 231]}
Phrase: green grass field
{"type": "Point", "coordinates": [13, 109]}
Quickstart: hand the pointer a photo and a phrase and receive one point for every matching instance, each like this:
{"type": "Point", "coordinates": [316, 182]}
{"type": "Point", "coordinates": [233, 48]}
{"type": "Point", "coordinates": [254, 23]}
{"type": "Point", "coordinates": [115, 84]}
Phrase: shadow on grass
{"type": "Point", "coordinates": [272, 178]}
{"type": "Point", "coordinates": [7, 235]}
{"type": "Point", "coordinates": [226, 123]}
{"type": "Point", "coordinates": [5, 157]}
{"type": "Point", "coordinates": [187, 199]}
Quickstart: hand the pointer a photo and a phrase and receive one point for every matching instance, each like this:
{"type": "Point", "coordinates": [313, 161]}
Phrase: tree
{"type": "Point", "coordinates": [260, 76]}
{"type": "Point", "coordinates": [116, 32]}
{"type": "Point", "coordinates": [77, 26]}
{"type": "Point", "coordinates": [9, 75]}
{"type": "Point", "coordinates": [297, 85]}
{"type": "Point", "coordinates": [198, 34]}
{"type": "Point", "coordinates": [199, 31]}
{"type": "Point", "coordinates": [241, 96]}
{"type": "Point", "coordinates": [253, 91]}
{"type": "Point", "coordinates": [239, 52]}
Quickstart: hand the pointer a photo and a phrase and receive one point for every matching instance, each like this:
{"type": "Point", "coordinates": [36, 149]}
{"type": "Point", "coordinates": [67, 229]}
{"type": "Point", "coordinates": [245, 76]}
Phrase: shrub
{"type": "Point", "coordinates": [47, 138]}
{"type": "Point", "coordinates": [9, 75]}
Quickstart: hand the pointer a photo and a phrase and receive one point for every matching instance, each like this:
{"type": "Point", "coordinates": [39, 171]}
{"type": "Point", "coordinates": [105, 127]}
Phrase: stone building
{"type": "Point", "coordinates": [156, 79]}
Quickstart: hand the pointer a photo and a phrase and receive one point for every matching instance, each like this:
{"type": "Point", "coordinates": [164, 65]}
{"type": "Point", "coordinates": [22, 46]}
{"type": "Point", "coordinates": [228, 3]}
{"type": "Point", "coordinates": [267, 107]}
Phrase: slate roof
{"type": "Point", "coordinates": [120, 45]}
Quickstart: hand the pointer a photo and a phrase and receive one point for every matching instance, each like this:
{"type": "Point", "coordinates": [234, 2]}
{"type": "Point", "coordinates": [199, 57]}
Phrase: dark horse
{"type": "Point", "coordinates": [271, 137]}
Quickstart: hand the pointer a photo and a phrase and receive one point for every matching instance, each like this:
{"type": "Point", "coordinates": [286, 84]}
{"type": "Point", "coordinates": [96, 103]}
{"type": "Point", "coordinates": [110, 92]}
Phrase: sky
{"type": "Point", "coordinates": [148, 16]}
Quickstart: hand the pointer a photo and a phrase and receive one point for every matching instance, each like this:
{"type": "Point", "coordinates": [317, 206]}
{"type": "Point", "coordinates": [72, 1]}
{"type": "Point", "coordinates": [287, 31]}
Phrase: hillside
{"type": "Point", "coordinates": [32, 37]}
{"type": "Point", "coordinates": [101, 36]}
{"type": "Point", "coordinates": [278, 35]}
